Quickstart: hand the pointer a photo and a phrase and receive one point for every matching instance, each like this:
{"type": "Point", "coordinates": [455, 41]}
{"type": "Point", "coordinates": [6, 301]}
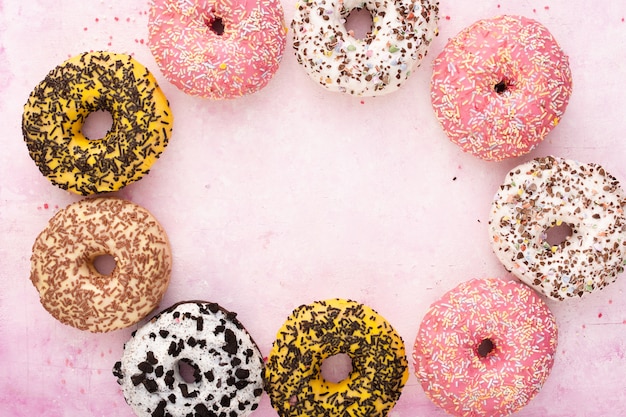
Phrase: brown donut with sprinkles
{"type": "Point", "coordinates": [57, 108]}
{"type": "Point", "coordinates": [71, 287]}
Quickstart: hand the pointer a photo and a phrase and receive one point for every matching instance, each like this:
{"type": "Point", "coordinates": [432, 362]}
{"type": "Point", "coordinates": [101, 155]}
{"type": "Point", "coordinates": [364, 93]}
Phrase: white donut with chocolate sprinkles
{"type": "Point", "coordinates": [559, 226]}
{"type": "Point", "coordinates": [57, 108]}
{"type": "Point", "coordinates": [72, 288]}
{"type": "Point", "coordinates": [375, 65]}
{"type": "Point", "coordinates": [224, 363]}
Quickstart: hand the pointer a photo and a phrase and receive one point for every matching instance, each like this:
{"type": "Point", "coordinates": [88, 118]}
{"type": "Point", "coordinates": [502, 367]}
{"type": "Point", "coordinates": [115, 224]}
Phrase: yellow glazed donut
{"type": "Point", "coordinates": [57, 108]}
{"type": "Point", "coordinates": [322, 329]}
{"type": "Point", "coordinates": [70, 286]}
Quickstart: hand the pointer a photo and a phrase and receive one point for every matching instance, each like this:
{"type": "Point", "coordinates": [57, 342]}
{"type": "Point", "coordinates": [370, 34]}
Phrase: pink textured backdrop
{"type": "Point", "coordinates": [296, 194]}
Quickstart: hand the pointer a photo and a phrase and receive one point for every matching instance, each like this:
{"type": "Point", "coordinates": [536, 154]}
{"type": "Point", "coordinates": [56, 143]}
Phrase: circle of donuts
{"type": "Point", "coordinates": [491, 332]}
{"type": "Point", "coordinates": [58, 106]}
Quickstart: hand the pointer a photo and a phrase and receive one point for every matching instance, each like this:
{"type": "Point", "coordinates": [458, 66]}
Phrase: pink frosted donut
{"type": "Point", "coordinates": [500, 86]}
{"type": "Point", "coordinates": [485, 348]}
{"type": "Point", "coordinates": [218, 49]}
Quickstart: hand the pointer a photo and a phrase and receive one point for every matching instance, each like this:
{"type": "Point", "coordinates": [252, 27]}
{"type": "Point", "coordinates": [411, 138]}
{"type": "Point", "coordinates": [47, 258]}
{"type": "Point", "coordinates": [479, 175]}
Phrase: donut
{"type": "Point", "coordinates": [376, 65]}
{"type": "Point", "coordinates": [485, 348]}
{"type": "Point", "coordinates": [58, 106]}
{"type": "Point", "coordinates": [227, 365]}
{"type": "Point", "coordinates": [70, 286]}
{"type": "Point", "coordinates": [217, 49]}
{"type": "Point", "coordinates": [318, 331]}
{"type": "Point", "coordinates": [500, 86]}
{"type": "Point", "coordinates": [550, 192]}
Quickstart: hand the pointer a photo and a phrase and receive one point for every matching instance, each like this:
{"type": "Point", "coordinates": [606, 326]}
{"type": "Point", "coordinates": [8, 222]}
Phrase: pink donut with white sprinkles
{"type": "Point", "coordinates": [485, 348]}
{"type": "Point", "coordinates": [217, 49]}
{"type": "Point", "coordinates": [500, 86]}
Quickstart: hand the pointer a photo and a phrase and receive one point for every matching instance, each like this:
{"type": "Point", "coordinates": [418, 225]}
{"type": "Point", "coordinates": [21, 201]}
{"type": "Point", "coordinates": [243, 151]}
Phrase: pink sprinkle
{"type": "Point", "coordinates": [85, 29]}
{"type": "Point", "coordinates": [97, 20]}
{"type": "Point", "coordinates": [447, 17]}
{"type": "Point", "coordinates": [117, 19]}
{"type": "Point", "coordinates": [45, 205]}
{"type": "Point", "coordinates": [599, 315]}
{"type": "Point", "coordinates": [547, 7]}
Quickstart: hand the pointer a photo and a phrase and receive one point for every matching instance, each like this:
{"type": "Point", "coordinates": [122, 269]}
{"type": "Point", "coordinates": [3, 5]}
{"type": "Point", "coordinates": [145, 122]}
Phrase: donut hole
{"type": "Point", "coordinates": [359, 22]}
{"type": "Point", "coordinates": [485, 347]}
{"type": "Point", "coordinates": [501, 87]}
{"type": "Point", "coordinates": [97, 124]}
{"type": "Point", "coordinates": [188, 371]}
{"type": "Point", "coordinates": [216, 25]}
{"type": "Point", "coordinates": [557, 234]}
{"type": "Point", "coordinates": [105, 264]}
{"type": "Point", "coordinates": [336, 368]}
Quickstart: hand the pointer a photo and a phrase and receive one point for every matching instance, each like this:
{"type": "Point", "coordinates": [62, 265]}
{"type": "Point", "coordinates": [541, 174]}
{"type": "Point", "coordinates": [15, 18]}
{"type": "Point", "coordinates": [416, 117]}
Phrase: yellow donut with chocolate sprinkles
{"type": "Point", "coordinates": [324, 329]}
{"type": "Point", "coordinates": [57, 108]}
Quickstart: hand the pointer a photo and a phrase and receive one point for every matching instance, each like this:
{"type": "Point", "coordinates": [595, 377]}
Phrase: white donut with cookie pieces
{"type": "Point", "coordinates": [227, 365]}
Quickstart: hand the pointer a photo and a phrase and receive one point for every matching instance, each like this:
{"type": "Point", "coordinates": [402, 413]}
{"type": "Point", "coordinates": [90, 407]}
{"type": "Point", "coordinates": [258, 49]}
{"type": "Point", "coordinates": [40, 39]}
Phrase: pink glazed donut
{"type": "Point", "coordinates": [485, 348]}
{"type": "Point", "coordinates": [500, 86]}
{"type": "Point", "coordinates": [218, 49]}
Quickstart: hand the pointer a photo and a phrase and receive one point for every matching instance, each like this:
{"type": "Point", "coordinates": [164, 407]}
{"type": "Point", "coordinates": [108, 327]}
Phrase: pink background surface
{"type": "Point", "coordinates": [296, 194]}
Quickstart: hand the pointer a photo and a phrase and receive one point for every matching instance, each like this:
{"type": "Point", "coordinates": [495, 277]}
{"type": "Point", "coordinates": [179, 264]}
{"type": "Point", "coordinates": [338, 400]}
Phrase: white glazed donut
{"type": "Point", "coordinates": [548, 192]}
{"type": "Point", "coordinates": [227, 365]}
{"type": "Point", "coordinates": [401, 33]}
